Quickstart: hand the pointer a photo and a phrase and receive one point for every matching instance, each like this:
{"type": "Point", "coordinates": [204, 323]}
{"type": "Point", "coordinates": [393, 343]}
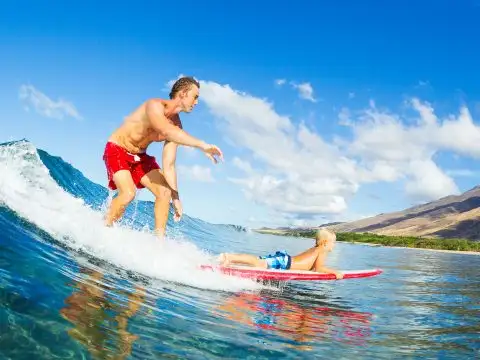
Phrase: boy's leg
{"type": "Point", "coordinates": [245, 259]}
{"type": "Point", "coordinates": [126, 193]}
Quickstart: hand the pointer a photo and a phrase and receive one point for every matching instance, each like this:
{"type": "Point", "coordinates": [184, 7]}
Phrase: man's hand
{"type": "Point", "coordinates": [212, 151]}
{"type": "Point", "coordinates": [177, 206]}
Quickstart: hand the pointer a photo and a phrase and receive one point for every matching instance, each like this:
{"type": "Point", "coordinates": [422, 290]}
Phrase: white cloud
{"type": "Point", "coordinates": [253, 115]}
{"type": "Point", "coordinates": [294, 197]}
{"type": "Point", "coordinates": [242, 165]}
{"type": "Point", "coordinates": [422, 83]}
{"type": "Point", "coordinates": [428, 181]}
{"type": "Point", "coordinates": [303, 175]}
{"type": "Point", "coordinates": [196, 172]}
{"type": "Point", "coordinates": [299, 174]}
{"type": "Point", "coordinates": [462, 173]}
{"type": "Point", "coordinates": [391, 150]}
{"type": "Point", "coordinates": [46, 106]}
{"type": "Point", "coordinates": [427, 116]}
{"type": "Point", "coordinates": [344, 117]}
{"type": "Point", "coordinates": [305, 91]}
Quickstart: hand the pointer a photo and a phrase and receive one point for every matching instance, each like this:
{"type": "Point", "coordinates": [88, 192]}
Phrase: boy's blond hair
{"type": "Point", "coordinates": [324, 235]}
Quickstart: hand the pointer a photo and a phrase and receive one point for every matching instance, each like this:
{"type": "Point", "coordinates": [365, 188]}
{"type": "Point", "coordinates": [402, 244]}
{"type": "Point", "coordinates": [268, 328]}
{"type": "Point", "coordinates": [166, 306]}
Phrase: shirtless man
{"type": "Point", "coordinates": [130, 168]}
{"type": "Point", "coordinates": [312, 259]}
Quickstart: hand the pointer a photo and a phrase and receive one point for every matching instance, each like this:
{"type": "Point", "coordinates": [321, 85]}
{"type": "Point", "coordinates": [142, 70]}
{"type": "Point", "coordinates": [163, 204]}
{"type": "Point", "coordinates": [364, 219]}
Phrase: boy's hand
{"type": "Point", "coordinates": [339, 275]}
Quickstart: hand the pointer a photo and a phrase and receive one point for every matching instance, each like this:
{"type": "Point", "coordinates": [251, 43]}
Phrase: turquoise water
{"type": "Point", "coordinates": [72, 289]}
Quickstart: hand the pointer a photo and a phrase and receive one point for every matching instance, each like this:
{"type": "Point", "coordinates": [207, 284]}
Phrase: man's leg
{"type": "Point", "coordinates": [155, 182]}
{"type": "Point", "coordinates": [126, 193]}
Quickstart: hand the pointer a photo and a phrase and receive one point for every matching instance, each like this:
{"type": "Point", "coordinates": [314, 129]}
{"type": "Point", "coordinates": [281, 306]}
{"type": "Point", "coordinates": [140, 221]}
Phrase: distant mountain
{"type": "Point", "coordinates": [454, 216]}
{"type": "Point", "coordinates": [332, 224]}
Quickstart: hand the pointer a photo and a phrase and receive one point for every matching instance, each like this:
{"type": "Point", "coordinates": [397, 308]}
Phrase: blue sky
{"type": "Point", "coordinates": [325, 111]}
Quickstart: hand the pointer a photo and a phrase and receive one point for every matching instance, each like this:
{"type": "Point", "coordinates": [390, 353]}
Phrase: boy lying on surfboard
{"type": "Point", "coordinates": [312, 259]}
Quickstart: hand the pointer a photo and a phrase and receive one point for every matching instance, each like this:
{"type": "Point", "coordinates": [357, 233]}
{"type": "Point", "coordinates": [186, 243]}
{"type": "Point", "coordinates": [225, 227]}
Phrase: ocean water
{"type": "Point", "coordinates": [72, 289]}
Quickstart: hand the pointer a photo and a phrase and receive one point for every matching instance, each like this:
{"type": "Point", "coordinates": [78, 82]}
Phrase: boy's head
{"type": "Point", "coordinates": [325, 238]}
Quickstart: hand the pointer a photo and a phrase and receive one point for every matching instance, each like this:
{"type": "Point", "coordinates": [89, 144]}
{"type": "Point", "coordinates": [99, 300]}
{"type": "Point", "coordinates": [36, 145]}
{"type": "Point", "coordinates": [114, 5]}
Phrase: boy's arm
{"type": "Point", "coordinates": [321, 268]}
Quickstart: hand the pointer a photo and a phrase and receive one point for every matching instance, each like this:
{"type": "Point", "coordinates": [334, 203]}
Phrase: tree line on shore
{"type": "Point", "coordinates": [403, 241]}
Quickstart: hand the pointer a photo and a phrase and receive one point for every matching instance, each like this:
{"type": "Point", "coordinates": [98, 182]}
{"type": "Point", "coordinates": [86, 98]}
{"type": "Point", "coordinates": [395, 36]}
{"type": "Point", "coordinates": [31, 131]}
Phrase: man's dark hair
{"type": "Point", "coordinates": [183, 83]}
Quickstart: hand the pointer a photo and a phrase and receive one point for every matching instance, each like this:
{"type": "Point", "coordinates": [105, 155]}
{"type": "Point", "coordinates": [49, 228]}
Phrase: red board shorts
{"type": "Point", "coordinates": [117, 158]}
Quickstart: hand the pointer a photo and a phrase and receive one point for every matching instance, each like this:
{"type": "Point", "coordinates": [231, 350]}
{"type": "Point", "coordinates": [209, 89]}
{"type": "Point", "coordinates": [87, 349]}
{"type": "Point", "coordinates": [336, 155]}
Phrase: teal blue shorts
{"type": "Point", "coordinates": [280, 260]}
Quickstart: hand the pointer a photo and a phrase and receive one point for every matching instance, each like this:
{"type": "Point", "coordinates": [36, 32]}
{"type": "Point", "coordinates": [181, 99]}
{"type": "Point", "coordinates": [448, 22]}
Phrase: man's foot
{"type": "Point", "coordinates": [107, 221]}
{"type": "Point", "coordinates": [160, 233]}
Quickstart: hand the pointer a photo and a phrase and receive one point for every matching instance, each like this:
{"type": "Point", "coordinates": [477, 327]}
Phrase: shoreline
{"type": "Point", "coordinates": [466, 252]}
{"type": "Point", "coordinates": [372, 244]}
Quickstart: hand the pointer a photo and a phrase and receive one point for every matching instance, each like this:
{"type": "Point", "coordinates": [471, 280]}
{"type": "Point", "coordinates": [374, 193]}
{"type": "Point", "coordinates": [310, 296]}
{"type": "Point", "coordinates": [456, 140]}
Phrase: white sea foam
{"type": "Point", "coordinates": [27, 188]}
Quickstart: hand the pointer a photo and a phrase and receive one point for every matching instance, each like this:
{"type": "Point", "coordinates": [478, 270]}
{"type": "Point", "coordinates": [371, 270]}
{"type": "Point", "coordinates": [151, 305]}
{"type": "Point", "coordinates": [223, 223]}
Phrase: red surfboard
{"type": "Point", "coordinates": [273, 274]}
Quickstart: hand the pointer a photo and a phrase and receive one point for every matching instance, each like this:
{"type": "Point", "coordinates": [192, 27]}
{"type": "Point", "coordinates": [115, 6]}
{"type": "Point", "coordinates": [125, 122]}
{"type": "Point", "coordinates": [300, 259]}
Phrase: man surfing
{"type": "Point", "coordinates": [128, 165]}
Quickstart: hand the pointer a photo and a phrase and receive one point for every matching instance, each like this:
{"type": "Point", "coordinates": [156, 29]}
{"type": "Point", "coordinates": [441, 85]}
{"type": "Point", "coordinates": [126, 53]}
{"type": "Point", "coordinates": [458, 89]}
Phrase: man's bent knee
{"type": "Point", "coordinates": [156, 183]}
{"type": "Point", "coordinates": [126, 196]}
{"type": "Point", "coordinates": [162, 193]}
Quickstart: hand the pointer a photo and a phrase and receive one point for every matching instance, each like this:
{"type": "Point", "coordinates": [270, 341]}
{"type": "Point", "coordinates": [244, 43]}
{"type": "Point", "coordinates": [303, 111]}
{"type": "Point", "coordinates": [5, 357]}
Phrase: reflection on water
{"type": "Point", "coordinates": [51, 307]}
{"type": "Point", "coordinates": [99, 322]}
{"type": "Point", "coordinates": [99, 312]}
{"type": "Point", "coordinates": [299, 323]}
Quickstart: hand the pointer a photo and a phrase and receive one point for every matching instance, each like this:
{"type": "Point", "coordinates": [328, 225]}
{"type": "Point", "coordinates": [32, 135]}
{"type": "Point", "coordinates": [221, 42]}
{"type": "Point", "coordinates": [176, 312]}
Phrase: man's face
{"type": "Point", "coordinates": [190, 98]}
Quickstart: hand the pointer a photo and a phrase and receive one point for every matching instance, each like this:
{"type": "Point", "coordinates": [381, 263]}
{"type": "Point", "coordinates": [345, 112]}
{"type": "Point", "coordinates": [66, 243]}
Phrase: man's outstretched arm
{"type": "Point", "coordinates": [156, 113]}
